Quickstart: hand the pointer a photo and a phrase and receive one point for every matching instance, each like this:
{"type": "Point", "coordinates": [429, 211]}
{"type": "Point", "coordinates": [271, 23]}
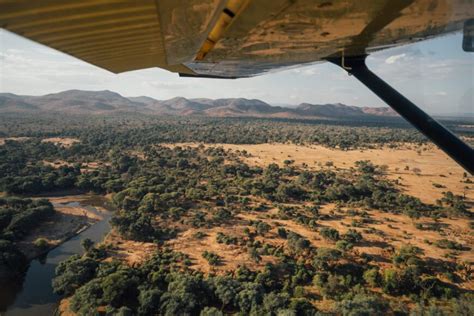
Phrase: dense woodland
{"type": "Point", "coordinates": [161, 192]}
{"type": "Point", "coordinates": [143, 129]}
{"type": "Point", "coordinates": [139, 129]}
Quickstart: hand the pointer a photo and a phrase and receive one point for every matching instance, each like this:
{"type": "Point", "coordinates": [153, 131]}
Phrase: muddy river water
{"type": "Point", "coordinates": [34, 294]}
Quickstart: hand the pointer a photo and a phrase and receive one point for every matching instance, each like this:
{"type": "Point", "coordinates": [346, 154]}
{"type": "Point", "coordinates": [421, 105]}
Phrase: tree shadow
{"type": "Point", "coordinates": [374, 243]}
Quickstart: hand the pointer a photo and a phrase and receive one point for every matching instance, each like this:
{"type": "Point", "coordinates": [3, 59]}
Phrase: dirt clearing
{"type": "Point", "coordinates": [61, 141]}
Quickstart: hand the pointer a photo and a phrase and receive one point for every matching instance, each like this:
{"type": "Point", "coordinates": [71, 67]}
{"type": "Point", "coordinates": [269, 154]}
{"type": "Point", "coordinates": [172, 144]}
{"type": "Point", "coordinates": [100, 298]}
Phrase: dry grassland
{"type": "Point", "coordinates": [128, 251]}
{"type": "Point", "coordinates": [386, 232]}
{"type": "Point", "coordinates": [434, 166]}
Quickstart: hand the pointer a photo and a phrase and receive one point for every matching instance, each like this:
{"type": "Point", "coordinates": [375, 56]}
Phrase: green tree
{"type": "Point", "coordinates": [41, 243]}
{"type": "Point", "coordinates": [210, 311]}
{"type": "Point", "coordinates": [87, 244]}
{"type": "Point", "coordinates": [120, 288]}
{"type": "Point", "coordinates": [149, 301]}
{"type": "Point", "coordinates": [272, 302]}
{"type": "Point", "coordinates": [372, 277]}
{"type": "Point", "coordinates": [226, 290]}
{"type": "Point", "coordinates": [362, 305]}
{"type": "Point", "coordinates": [250, 297]}
{"type": "Point", "coordinates": [329, 233]}
{"type": "Point", "coordinates": [72, 273]}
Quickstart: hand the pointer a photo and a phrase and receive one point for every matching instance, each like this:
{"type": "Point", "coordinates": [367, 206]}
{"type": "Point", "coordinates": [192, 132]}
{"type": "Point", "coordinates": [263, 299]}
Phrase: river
{"type": "Point", "coordinates": [34, 296]}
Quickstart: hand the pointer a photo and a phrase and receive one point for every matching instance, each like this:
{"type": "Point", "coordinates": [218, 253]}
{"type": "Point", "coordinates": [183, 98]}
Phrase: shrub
{"type": "Point", "coordinates": [325, 257]}
{"type": "Point", "coordinates": [372, 277]}
{"type": "Point", "coordinates": [282, 232]}
{"type": "Point", "coordinates": [199, 235]}
{"type": "Point", "coordinates": [407, 255]}
{"type": "Point", "coordinates": [362, 304]}
{"type": "Point", "coordinates": [448, 244]}
{"type": "Point", "coordinates": [211, 257]}
{"type": "Point", "coordinates": [344, 245]}
{"type": "Point", "coordinates": [329, 233]}
{"type": "Point", "coordinates": [87, 244]}
{"type": "Point", "coordinates": [41, 243]}
{"type": "Point", "coordinates": [210, 311]}
{"type": "Point", "coordinates": [352, 236]}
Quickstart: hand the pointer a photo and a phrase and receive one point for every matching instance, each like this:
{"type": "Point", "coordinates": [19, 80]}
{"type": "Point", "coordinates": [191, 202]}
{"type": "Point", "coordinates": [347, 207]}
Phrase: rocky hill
{"type": "Point", "coordinates": [100, 102]}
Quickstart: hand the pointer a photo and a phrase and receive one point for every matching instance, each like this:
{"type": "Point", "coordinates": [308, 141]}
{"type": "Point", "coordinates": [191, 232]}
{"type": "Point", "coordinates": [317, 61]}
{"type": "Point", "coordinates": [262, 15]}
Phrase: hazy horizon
{"type": "Point", "coordinates": [435, 74]}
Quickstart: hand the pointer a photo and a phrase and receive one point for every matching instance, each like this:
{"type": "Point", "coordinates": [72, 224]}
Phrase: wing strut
{"type": "Point", "coordinates": [440, 135]}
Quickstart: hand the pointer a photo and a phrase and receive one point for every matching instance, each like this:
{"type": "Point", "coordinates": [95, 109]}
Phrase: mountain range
{"type": "Point", "coordinates": [101, 102]}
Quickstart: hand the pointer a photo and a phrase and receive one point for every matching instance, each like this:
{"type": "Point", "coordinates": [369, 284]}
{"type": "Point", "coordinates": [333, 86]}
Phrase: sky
{"type": "Point", "coordinates": [435, 74]}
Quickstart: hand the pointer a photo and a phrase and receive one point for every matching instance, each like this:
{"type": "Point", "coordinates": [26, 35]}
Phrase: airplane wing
{"type": "Point", "coordinates": [244, 38]}
{"type": "Point", "coordinates": [227, 38]}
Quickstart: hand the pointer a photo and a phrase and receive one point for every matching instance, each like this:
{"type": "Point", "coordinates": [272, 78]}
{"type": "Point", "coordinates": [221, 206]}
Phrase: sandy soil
{"type": "Point", "coordinates": [435, 167]}
{"type": "Point", "coordinates": [64, 199]}
{"type": "Point", "coordinates": [391, 231]}
{"type": "Point", "coordinates": [396, 230]}
{"type": "Point", "coordinates": [67, 222]}
{"type": "Point", "coordinates": [57, 163]}
{"type": "Point", "coordinates": [382, 237]}
{"type": "Point", "coordinates": [232, 256]}
{"type": "Point", "coordinates": [61, 141]}
{"type": "Point", "coordinates": [18, 139]}
{"type": "Point", "coordinates": [63, 308]}
{"type": "Point", "coordinates": [131, 252]}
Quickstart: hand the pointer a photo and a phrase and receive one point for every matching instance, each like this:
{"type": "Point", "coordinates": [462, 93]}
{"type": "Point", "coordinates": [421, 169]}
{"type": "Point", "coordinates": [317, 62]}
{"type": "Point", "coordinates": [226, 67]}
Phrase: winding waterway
{"type": "Point", "coordinates": [34, 296]}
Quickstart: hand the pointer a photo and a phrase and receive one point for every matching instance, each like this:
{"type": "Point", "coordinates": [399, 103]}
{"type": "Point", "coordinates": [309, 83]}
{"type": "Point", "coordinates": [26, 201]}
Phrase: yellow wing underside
{"type": "Point", "coordinates": [234, 38]}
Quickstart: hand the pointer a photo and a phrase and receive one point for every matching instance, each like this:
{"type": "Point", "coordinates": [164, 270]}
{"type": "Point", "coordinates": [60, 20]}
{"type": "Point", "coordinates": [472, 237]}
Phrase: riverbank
{"type": "Point", "coordinates": [69, 220]}
{"type": "Point", "coordinates": [77, 217]}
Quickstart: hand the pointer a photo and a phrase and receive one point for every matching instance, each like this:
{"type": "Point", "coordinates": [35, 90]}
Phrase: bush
{"type": "Point", "coordinates": [296, 242]}
{"type": "Point", "coordinates": [301, 306]}
{"type": "Point", "coordinates": [361, 305]}
{"type": "Point", "coordinates": [210, 311]}
{"type": "Point", "coordinates": [282, 232]}
{"type": "Point", "coordinates": [213, 258]}
{"type": "Point", "coordinates": [272, 302]}
{"type": "Point", "coordinates": [331, 285]}
{"type": "Point", "coordinates": [407, 255]}
{"type": "Point", "coordinates": [372, 277]}
{"type": "Point", "coordinates": [41, 243]}
{"type": "Point", "coordinates": [448, 244]}
{"type": "Point", "coordinates": [463, 306]}
{"type": "Point", "coordinates": [329, 233]}
{"type": "Point", "coordinates": [87, 244]}
{"type": "Point", "coordinates": [352, 236]}
{"type": "Point", "coordinates": [325, 258]}
{"type": "Point", "coordinates": [344, 245]}
{"type": "Point", "coordinates": [250, 297]}
{"type": "Point", "coordinates": [199, 235]}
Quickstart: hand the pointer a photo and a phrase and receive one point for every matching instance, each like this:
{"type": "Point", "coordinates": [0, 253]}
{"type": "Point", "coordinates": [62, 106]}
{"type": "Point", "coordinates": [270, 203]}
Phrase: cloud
{"type": "Point", "coordinates": [307, 71]}
{"type": "Point", "coordinates": [393, 59]}
{"type": "Point", "coordinates": [29, 68]}
{"type": "Point", "coordinates": [156, 84]}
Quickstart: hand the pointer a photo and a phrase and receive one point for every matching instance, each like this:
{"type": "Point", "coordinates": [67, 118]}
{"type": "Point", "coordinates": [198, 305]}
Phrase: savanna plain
{"type": "Point", "coordinates": [219, 216]}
